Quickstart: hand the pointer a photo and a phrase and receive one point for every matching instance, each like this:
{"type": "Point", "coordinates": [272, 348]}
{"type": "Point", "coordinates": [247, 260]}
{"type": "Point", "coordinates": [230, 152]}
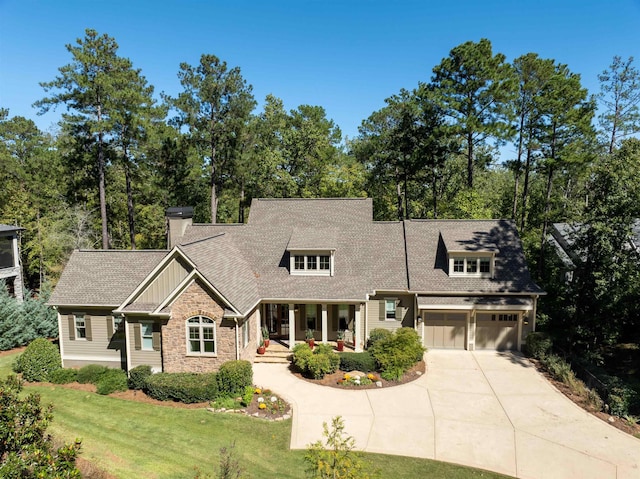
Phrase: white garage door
{"type": "Point", "coordinates": [445, 330]}
{"type": "Point", "coordinates": [497, 331]}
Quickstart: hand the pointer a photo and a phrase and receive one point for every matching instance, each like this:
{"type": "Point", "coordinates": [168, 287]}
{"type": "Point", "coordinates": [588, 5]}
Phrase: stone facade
{"type": "Point", "coordinates": [249, 353]}
{"type": "Point", "coordinates": [196, 301]}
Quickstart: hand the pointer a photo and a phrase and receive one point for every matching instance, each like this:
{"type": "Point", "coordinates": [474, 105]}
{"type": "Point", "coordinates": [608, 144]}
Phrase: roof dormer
{"type": "Point", "coordinates": [470, 257]}
{"type": "Point", "coordinates": [312, 251]}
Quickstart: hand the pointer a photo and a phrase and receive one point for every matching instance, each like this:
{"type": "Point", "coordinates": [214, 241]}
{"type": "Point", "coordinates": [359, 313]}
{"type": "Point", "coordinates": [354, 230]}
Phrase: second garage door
{"type": "Point", "coordinates": [497, 331]}
{"type": "Point", "coordinates": [445, 330]}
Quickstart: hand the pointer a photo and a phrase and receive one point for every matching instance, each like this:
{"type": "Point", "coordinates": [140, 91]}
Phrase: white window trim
{"type": "Point", "coordinates": [467, 258]}
{"type": "Point", "coordinates": [214, 325]}
{"type": "Point", "coordinates": [75, 326]}
{"type": "Point", "coordinates": [142, 336]}
{"type": "Point", "coordinates": [395, 309]}
{"type": "Point", "coordinates": [311, 272]}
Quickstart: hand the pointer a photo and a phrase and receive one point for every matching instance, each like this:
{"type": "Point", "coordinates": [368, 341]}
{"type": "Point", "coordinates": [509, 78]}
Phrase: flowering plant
{"type": "Point", "coordinates": [356, 380]}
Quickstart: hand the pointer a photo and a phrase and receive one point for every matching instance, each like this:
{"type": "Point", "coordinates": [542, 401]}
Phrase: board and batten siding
{"type": "Point", "coordinates": [170, 277]}
{"type": "Point", "coordinates": [102, 346]}
{"type": "Point", "coordinates": [139, 356]}
{"type": "Point", "coordinates": [405, 312]}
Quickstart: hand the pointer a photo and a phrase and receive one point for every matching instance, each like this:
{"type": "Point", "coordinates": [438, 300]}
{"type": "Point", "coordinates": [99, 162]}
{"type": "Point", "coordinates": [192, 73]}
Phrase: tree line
{"type": "Point", "coordinates": [122, 154]}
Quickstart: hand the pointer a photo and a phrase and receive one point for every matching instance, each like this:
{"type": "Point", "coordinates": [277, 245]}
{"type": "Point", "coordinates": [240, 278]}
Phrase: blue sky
{"type": "Point", "coordinates": [344, 55]}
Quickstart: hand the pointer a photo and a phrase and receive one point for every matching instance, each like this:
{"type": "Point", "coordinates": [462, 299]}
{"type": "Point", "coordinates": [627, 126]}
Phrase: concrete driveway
{"type": "Point", "coordinates": [483, 409]}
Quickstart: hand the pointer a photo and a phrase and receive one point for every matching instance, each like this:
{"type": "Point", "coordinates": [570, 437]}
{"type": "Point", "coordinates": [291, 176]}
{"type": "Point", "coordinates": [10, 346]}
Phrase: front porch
{"type": "Point", "coordinates": [289, 323]}
{"type": "Point", "coordinates": [280, 352]}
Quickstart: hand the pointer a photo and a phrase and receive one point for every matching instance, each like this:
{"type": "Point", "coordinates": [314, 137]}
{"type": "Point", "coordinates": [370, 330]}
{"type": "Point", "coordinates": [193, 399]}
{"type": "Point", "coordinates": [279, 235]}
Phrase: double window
{"type": "Point", "coordinates": [478, 266]}
{"type": "Point", "coordinates": [311, 264]}
{"type": "Point", "coordinates": [201, 336]}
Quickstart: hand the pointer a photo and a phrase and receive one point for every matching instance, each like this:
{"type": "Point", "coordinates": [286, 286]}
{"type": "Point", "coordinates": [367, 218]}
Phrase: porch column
{"type": "Point", "coordinates": [356, 321]}
{"type": "Point", "coordinates": [292, 326]}
{"type": "Point", "coordinates": [471, 330]}
{"type": "Point", "coordinates": [324, 323]}
{"type": "Point", "coordinates": [519, 337]}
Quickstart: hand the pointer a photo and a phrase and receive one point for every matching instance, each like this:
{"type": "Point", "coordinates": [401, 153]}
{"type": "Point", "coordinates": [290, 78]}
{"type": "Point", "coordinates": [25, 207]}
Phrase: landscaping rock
{"type": "Point", "coordinates": [379, 384]}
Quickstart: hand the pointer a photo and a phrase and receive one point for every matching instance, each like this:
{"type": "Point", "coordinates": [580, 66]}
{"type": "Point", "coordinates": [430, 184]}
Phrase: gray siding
{"type": "Point", "coordinates": [405, 313]}
{"type": "Point", "coordinates": [101, 349]}
{"type": "Point", "coordinates": [165, 283]}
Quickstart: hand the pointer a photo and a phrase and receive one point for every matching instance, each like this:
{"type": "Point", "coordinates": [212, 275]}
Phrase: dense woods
{"type": "Point", "coordinates": [480, 137]}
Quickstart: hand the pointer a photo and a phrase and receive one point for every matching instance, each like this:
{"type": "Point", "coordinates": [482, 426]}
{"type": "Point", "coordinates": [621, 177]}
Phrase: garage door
{"type": "Point", "coordinates": [445, 330]}
{"type": "Point", "coordinates": [497, 331]}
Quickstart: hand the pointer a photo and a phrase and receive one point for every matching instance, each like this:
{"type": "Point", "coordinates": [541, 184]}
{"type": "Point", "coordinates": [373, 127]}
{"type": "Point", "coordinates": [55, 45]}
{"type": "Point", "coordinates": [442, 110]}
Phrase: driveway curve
{"type": "Point", "coordinates": [484, 409]}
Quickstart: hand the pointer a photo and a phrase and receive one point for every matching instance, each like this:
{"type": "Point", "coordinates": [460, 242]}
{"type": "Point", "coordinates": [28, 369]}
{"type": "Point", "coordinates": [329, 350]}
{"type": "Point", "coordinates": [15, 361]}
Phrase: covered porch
{"type": "Point", "coordinates": [289, 323]}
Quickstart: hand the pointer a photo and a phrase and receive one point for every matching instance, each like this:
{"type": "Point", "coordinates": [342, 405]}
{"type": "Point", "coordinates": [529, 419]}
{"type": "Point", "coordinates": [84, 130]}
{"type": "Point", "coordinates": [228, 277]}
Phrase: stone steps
{"type": "Point", "coordinates": [275, 353]}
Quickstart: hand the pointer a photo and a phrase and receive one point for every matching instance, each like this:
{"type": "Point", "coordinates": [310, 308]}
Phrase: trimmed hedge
{"type": "Point", "coordinates": [233, 377]}
{"type": "Point", "coordinates": [323, 360]}
{"type": "Point", "coordinates": [183, 387]}
{"type": "Point", "coordinates": [397, 353]}
{"type": "Point", "coordinates": [363, 362]}
{"type": "Point", "coordinates": [38, 361]}
{"type": "Point", "coordinates": [91, 373]}
{"type": "Point", "coordinates": [376, 335]}
{"type": "Point", "coordinates": [63, 376]}
{"type": "Point", "coordinates": [138, 377]}
{"type": "Point", "coordinates": [111, 381]}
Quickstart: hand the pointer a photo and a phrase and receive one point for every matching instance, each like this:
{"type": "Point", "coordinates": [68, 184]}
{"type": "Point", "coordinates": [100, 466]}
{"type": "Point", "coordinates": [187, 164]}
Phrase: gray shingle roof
{"type": "Point", "coordinates": [101, 277]}
{"type": "Point", "coordinates": [9, 228]}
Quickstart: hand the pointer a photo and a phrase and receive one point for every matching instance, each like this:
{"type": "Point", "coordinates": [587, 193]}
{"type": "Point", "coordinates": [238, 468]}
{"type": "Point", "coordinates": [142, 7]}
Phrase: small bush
{"type": "Point", "coordinates": [621, 399]}
{"type": "Point", "coordinates": [233, 377]}
{"type": "Point", "coordinates": [323, 360]}
{"type": "Point", "coordinates": [247, 396]}
{"type": "Point", "coordinates": [111, 381]}
{"type": "Point", "coordinates": [38, 361]}
{"type": "Point", "coordinates": [183, 387]}
{"type": "Point", "coordinates": [90, 374]}
{"type": "Point", "coordinates": [63, 376]}
{"type": "Point", "coordinates": [363, 362]}
{"type": "Point", "coordinates": [397, 353]}
{"type": "Point", "coordinates": [376, 335]}
{"type": "Point", "coordinates": [558, 368]}
{"type": "Point", "coordinates": [138, 376]}
{"type": "Point", "coordinates": [538, 345]}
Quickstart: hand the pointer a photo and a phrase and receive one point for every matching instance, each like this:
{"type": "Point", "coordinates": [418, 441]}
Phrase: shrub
{"type": "Point", "coordinates": [138, 376]}
{"type": "Point", "coordinates": [397, 353]}
{"type": "Point", "coordinates": [90, 374]}
{"type": "Point", "coordinates": [621, 399]}
{"type": "Point", "coordinates": [323, 360]}
{"type": "Point", "coordinates": [63, 376]}
{"type": "Point", "coordinates": [111, 381]}
{"type": "Point", "coordinates": [538, 345]}
{"type": "Point", "coordinates": [363, 362]}
{"type": "Point", "coordinates": [376, 335]}
{"type": "Point", "coordinates": [233, 377]}
{"type": "Point", "coordinates": [183, 387]}
{"type": "Point", "coordinates": [39, 360]}
{"type": "Point", "coordinates": [247, 396]}
{"type": "Point", "coordinates": [558, 368]}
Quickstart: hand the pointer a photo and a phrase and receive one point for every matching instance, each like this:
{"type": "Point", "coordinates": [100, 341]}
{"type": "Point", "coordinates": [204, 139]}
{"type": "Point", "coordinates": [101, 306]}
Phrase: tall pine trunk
{"type": "Point", "coordinates": [470, 160]}
{"type": "Point", "coordinates": [130, 212]}
{"type": "Point", "coordinates": [101, 183]}
{"type": "Point", "coordinates": [547, 206]}
{"type": "Point", "coordinates": [518, 165]}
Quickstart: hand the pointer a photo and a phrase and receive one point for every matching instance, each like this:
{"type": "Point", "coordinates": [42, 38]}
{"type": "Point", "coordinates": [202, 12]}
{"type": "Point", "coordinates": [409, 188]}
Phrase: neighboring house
{"type": "Point", "coordinates": [563, 238]}
{"type": "Point", "coordinates": [10, 266]}
{"type": "Point", "coordinates": [298, 264]}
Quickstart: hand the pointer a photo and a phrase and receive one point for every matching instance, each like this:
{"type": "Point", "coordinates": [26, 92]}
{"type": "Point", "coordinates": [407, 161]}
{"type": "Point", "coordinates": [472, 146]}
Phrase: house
{"type": "Point", "coordinates": [296, 265]}
{"type": "Point", "coordinates": [10, 267]}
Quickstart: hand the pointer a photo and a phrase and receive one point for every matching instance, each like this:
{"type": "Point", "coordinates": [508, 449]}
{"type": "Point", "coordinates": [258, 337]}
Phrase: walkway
{"type": "Point", "coordinates": [483, 409]}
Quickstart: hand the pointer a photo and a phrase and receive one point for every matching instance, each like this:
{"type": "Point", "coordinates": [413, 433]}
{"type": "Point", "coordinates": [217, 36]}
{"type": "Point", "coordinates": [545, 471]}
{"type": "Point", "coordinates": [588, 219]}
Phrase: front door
{"type": "Point", "coordinates": [277, 319]}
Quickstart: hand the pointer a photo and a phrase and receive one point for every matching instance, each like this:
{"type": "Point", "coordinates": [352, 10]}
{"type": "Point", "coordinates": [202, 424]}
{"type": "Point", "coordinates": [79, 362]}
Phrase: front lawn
{"type": "Point", "coordinates": [131, 439]}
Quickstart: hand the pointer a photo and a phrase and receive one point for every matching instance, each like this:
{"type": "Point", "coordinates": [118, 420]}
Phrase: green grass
{"type": "Point", "coordinates": [6, 362]}
{"type": "Point", "coordinates": [132, 440]}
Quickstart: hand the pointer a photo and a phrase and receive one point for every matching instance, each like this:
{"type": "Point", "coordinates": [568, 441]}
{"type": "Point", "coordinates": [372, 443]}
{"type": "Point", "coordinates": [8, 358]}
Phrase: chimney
{"type": "Point", "coordinates": [178, 218]}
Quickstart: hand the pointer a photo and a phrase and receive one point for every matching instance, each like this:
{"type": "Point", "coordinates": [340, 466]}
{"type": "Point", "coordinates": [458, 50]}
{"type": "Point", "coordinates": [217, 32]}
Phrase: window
{"type": "Point", "coordinates": [146, 333]}
{"type": "Point", "coordinates": [245, 333]}
{"type": "Point", "coordinates": [299, 262]}
{"type": "Point", "coordinates": [390, 309]}
{"type": "Point", "coordinates": [201, 336]}
{"type": "Point", "coordinates": [312, 314]}
{"type": "Point", "coordinates": [343, 317]}
{"type": "Point", "coordinates": [504, 317]}
{"type": "Point", "coordinates": [477, 266]}
{"type": "Point", "coordinates": [6, 252]}
{"type": "Point", "coordinates": [81, 327]}
{"type": "Point", "coordinates": [324, 262]}
{"type": "Point", "coordinates": [312, 262]}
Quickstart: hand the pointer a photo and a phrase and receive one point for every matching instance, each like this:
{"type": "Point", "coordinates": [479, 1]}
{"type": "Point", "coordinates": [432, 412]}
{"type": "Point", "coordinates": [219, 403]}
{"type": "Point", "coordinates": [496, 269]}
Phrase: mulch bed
{"type": "Point", "coordinates": [331, 380]}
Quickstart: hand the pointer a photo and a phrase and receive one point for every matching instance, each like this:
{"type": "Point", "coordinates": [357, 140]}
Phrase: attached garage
{"type": "Point", "coordinates": [497, 331]}
{"type": "Point", "coordinates": [445, 330]}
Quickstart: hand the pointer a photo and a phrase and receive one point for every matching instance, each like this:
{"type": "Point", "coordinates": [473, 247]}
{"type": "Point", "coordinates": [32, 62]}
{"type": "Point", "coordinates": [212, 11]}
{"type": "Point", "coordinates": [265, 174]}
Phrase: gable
{"type": "Point", "coordinates": [165, 282]}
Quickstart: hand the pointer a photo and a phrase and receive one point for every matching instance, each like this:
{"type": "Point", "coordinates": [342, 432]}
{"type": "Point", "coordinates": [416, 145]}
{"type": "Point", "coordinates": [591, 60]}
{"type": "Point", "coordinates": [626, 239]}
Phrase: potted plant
{"type": "Point", "coordinates": [309, 337]}
{"type": "Point", "coordinates": [261, 348]}
{"type": "Point", "coordinates": [340, 340]}
{"type": "Point", "coordinates": [265, 336]}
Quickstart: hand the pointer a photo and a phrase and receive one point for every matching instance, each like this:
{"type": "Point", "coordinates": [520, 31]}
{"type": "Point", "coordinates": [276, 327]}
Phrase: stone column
{"type": "Point", "coordinates": [292, 326]}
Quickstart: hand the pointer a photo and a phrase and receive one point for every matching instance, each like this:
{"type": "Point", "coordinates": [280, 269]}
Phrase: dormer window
{"type": "Point", "coordinates": [318, 264]}
{"type": "Point", "coordinates": [471, 266]}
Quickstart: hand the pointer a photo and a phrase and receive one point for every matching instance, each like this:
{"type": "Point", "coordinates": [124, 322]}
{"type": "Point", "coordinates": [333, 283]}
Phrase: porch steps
{"type": "Point", "coordinates": [275, 353]}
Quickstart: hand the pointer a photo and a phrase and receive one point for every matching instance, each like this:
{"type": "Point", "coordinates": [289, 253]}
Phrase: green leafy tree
{"type": "Point", "coordinates": [336, 458]}
{"type": "Point", "coordinates": [474, 87]}
{"type": "Point", "coordinates": [94, 85]}
{"type": "Point", "coordinates": [214, 106]}
{"type": "Point", "coordinates": [26, 451]}
{"type": "Point", "coordinates": [620, 99]}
